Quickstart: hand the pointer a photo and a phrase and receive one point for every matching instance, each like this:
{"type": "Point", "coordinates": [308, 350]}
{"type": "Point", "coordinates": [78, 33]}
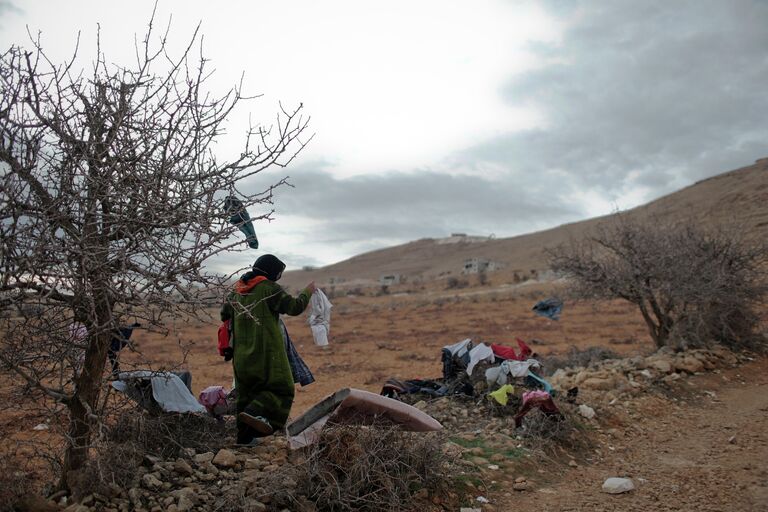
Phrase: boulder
{"type": "Point", "coordinates": [586, 411]}
{"type": "Point", "coordinates": [689, 364]}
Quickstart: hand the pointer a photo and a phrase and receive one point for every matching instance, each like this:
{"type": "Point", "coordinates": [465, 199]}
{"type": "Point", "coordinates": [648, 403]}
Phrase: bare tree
{"type": "Point", "coordinates": [111, 201]}
{"type": "Point", "coordinates": [690, 285]}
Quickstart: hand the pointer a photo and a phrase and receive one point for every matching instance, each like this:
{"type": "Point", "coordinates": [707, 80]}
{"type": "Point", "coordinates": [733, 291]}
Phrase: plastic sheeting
{"type": "Point", "coordinates": [168, 390]}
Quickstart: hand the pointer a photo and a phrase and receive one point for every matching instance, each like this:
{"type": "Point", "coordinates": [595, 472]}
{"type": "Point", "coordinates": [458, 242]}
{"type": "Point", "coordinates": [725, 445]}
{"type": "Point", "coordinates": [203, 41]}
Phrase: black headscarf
{"type": "Point", "coordinates": [268, 266]}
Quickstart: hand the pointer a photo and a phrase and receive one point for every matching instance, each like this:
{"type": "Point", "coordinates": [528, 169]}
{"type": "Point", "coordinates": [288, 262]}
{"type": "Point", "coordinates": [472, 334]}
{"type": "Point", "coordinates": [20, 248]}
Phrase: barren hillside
{"type": "Point", "coordinates": [736, 198]}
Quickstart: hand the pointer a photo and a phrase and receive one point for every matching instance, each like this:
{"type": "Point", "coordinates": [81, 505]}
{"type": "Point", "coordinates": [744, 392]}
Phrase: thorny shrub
{"type": "Point", "coordinates": [167, 435]}
{"type": "Point", "coordinates": [363, 468]}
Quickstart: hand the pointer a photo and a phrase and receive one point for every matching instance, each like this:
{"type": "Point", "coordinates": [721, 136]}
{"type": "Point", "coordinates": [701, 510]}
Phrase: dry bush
{"type": "Point", "coordinates": [550, 434]}
{"type": "Point", "coordinates": [371, 468]}
{"type": "Point", "coordinates": [576, 358]}
{"type": "Point", "coordinates": [167, 435]}
{"type": "Point", "coordinates": [15, 484]}
{"type": "Point", "coordinates": [692, 286]}
{"type": "Point", "coordinates": [113, 465]}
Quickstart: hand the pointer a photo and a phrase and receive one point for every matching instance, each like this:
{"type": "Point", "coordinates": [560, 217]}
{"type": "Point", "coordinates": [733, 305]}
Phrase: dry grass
{"type": "Point", "coordinates": [167, 435]}
{"type": "Point", "coordinates": [364, 469]}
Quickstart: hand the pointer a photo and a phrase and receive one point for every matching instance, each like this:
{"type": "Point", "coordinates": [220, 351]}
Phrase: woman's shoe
{"type": "Point", "coordinates": [258, 423]}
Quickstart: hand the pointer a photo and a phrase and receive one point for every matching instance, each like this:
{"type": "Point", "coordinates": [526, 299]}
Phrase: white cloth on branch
{"type": "Point", "coordinates": [320, 317]}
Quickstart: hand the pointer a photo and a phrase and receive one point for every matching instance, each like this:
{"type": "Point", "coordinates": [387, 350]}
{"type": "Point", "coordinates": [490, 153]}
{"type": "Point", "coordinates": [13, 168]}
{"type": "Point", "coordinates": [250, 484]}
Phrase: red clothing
{"type": "Point", "coordinates": [505, 352]}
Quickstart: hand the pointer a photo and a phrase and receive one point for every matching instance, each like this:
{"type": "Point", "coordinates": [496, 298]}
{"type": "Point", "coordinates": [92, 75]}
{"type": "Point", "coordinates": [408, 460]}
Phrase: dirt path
{"type": "Point", "coordinates": [707, 451]}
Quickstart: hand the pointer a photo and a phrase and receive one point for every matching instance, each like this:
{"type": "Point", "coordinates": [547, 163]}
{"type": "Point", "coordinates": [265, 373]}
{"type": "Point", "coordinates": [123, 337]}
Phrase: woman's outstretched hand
{"type": "Point", "coordinates": [311, 287]}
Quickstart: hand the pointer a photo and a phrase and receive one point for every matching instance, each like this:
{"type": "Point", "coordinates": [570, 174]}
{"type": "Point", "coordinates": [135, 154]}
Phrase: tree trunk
{"type": "Point", "coordinates": [83, 404]}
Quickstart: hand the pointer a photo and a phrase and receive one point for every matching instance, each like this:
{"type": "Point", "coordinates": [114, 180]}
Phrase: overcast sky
{"type": "Point", "coordinates": [482, 117]}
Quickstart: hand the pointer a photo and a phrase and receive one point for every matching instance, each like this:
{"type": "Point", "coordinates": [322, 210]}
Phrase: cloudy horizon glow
{"type": "Point", "coordinates": [434, 117]}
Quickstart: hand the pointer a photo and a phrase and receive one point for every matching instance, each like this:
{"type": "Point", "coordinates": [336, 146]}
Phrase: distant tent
{"type": "Point", "coordinates": [550, 308]}
{"type": "Point", "coordinates": [238, 216]}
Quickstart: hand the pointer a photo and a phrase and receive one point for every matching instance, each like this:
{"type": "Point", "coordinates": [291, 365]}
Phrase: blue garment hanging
{"type": "Point", "coordinates": [238, 216]}
{"type": "Point", "coordinates": [549, 308]}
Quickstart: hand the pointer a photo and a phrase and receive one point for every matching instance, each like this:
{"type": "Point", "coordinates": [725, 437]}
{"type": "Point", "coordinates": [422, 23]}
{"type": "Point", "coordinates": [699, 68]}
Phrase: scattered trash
{"type": "Point", "coordinates": [493, 467]}
{"type": "Point", "coordinates": [586, 411]}
{"type": "Point", "coordinates": [540, 399]}
{"type": "Point", "coordinates": [40, 426]}
{"type": "Point", "coordinates": [732, 440]}
{"type": "Point", "coordinates": [508, 353]}
{"type": "Point", "coordinates": [501, 394]}
{"type": "Point", "coordinates": [550, 308]}
{"type": "Point", "coordinates": [483, 499]}
{"type": "Point", "coordinates": [618, 485]}
{"type": "Point", "coordinates": [470, 509]}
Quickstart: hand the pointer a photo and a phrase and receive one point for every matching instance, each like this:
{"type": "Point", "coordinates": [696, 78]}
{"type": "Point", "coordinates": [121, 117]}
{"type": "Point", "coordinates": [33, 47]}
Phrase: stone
{"type": "Point", "coordinates": [520, 486]}
{"type": "Point", "coordinates": [202, 458]}
{"type": "Point", "coordinates": [520, 479]}
{"type": "Point", "coordinates": [617, 485]}
{"type": "Point", "coordinates": [225, 458]}
{"type": "Point", "coordinates": [573, 463]}
{"type": "Point", "coordinates": [689, 364]}
{"type": "Point", "coordinates": [602, 384]}
{"type": "Point", "coordinates": [151, 482]}
{"type": "Point", "coordinates": [479, 461]}
{"type": "Point", "coordinates": [134, 494]}
{"type": "Point", "coordinates": [77, 507]}
{"type": "Point", "coordinates": [420, 405]}
{"type": "Point", "coordinates": [586, 411]}
{"type": "Point", "coordinates": [421, 494]}
{"type": "Point", "coordinates": [662, 365]}
{"type": "Point", "coordinates": [185, 504]}
{"type": "Point", "coordinates": [255, 506]}
{"type": "Point", "coordinates": [470, 509]}
{"type": "Point", "coordinates": [182, 467]}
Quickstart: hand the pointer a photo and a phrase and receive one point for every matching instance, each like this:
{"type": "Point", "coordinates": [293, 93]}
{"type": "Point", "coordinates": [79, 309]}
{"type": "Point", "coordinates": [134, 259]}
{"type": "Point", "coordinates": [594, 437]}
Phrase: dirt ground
{"type": "Point", "coordinates": [401, 335]}
{"type": "Point", "coordinates": [704, 450]}
{"type": "Point", "coordinates": [677, 451]}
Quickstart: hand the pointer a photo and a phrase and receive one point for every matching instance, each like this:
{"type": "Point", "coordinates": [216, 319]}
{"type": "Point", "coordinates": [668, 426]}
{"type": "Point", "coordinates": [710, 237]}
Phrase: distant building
{"type": "Point", "coordinates": [477, 265]}
{"type": "Point", "coordinates": [308, 268]}
{"type": "Point", "coordinates": [459, 234]}
{"type": "Point", "coordinates": [390, 279]}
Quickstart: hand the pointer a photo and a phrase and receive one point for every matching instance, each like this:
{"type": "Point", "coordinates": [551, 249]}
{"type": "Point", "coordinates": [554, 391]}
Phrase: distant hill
{"type": "Point", "coordinates": [738, 198]}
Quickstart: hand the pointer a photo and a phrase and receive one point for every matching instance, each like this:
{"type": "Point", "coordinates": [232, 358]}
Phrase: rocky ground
{"type": "Point", "coordinates": [689, 429]}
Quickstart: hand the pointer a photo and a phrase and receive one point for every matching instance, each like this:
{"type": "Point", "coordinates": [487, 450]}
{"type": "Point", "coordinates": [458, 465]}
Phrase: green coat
{"type": "Point", "coordinates": [263, 376]}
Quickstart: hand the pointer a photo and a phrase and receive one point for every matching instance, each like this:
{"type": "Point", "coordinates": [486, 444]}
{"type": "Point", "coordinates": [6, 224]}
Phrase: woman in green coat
{"type": "Point", "coordinates": [263, 378]}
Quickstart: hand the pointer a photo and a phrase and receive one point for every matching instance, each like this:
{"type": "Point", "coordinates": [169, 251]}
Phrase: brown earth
{"type": "Point", "coordinates": [705, 448]}
{"type": "Point", "coordinates": [374, 338]}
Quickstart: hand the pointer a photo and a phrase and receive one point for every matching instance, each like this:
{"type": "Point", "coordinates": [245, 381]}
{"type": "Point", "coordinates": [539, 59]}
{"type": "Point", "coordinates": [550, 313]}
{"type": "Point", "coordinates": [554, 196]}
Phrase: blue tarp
{"type": "Point", "coordinates": [549, 308]}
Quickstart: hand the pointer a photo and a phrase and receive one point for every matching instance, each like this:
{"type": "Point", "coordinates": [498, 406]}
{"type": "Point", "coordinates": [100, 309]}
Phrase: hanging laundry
{"type": "Point", "coordinates": [550, 308]}
{"type": "Point", "coordinates": [320, 317]}
{"type": "Point", "coordinates": [301, 372]}
{"type": "Point", "coordinates": [239, 217]}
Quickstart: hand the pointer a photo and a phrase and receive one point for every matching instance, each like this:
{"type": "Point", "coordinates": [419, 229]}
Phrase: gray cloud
{"type": "Point", "coordinates": [403, 206]}
{"type": "Point", "coordinates": [651, 95]}
{"type": "Point", "coordinates": [665, 92]}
